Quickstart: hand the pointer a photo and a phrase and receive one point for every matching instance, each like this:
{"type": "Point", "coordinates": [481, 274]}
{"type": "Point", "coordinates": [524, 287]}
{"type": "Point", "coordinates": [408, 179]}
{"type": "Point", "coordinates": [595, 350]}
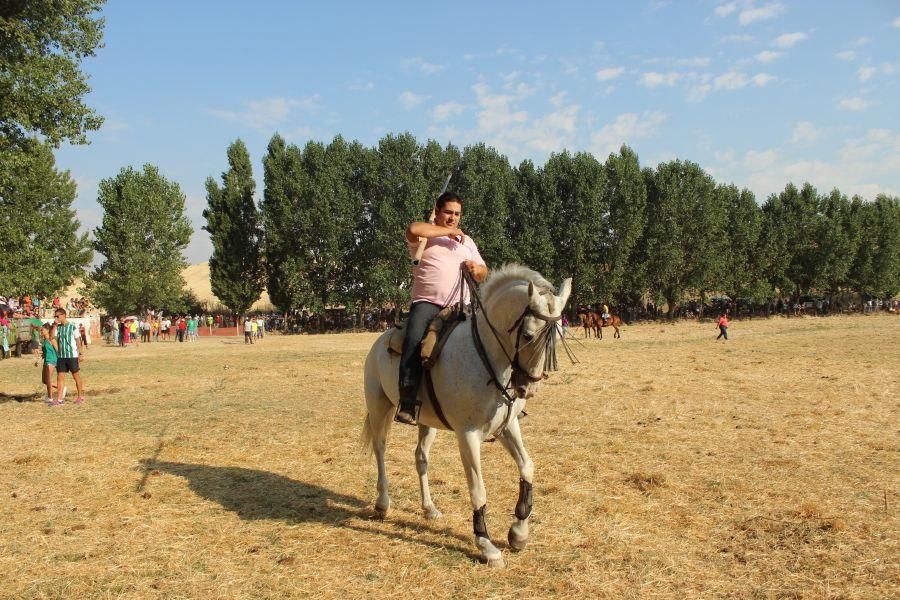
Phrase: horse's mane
{"type": "Point", "coordinates": [498, 278]}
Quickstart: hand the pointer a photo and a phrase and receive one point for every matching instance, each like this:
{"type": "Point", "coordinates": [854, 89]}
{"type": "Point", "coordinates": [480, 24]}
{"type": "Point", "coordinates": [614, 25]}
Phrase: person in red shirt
{"type": "Point", "coordinates": [723, 326]}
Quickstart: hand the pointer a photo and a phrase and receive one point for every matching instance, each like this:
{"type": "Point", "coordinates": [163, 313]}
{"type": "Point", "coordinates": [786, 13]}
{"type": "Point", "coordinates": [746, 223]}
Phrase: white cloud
{"type": "Point", "coordinates": [866, 73]}
{"type": "Point", "coordinates": [627, 128]}
{"type": "Point", "coordinates": [767, 56]}
{"type": "Point", "coordinates": [887, 68]}
{"type": "Point", "coordinates": [652, 79]}
{"type": "Point", "coordinates": [266, 114]}
{"type": "Point", "coordinates": [570, 67]}
{"type": "Point", "coordinates": [723, 10]}
{"type": "Point", "coordinates": [896, 23]}
{"type": "Point", "coordinates": [514, 132]}
{"type": "Point", "coordinates": [698, 92]}
{"type": "Point", "coordinates": [853, 104]}
{"type": "Point", "coordinates": [788, 40]}
{"type": "Point", "coordinates": [445, 111]}
{"type": "Point", "coordinates": [762, 79]}
{"type": "Point", "coordinates": [758, 161]}
{"type": "Point", "coordinates": [409, 100]}
{"type": "Point", "coordinates": [732, 80]}
{"type": "Point", "coordinates": [361, 86]}
{"type": "Point", "coordinates": [696, 61]}
{"type": "Point", "coordinates": [805, 133]}
{"type": "Point", "coordinates": [866, 165]}
{"type": "Point", "coordinates": [769, 11]}
{"type": "Point", "coordinates": [423, 66]}
{"type": "Point", "coordinates": [862, 41]}
{"type": "Point", "coordinates": [738, 37]}
{"type": "Point", "coordinates": [846, 55]}
{"type": "Point", "coordinates": [609, 73]}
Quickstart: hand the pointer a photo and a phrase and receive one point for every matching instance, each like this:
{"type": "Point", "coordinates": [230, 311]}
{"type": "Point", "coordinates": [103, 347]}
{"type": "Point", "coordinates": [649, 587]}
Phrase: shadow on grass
{"type": "Point", "coordinates": [4, 397]}
{"type": "Point", "coordinates": [254, 494]}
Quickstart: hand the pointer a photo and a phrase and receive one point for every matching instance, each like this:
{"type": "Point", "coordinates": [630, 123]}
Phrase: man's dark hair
{"type": "Point", "coordinates": [59, 311]}
{"type": "Point", "coordinates": [446, 197]}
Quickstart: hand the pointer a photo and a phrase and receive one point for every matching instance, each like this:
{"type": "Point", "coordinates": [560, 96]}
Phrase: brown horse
{"type": "Point", "coordinates": [587, 321]}
{"type": "Point", "coordinates": [613, 321]}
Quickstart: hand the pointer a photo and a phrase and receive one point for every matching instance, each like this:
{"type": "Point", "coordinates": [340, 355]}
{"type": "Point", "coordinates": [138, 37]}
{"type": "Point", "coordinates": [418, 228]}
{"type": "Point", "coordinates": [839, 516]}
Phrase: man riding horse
{"type": "Point", "coordinates": [436, 284]}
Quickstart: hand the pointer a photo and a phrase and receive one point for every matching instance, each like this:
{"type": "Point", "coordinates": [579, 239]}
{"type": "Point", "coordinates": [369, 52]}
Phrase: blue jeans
{"type": "Point", "coordinates": [420, 315]}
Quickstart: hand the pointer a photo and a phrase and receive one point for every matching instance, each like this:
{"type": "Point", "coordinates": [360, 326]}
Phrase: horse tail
{"type": "Point", "coordinates": [370, 431]}
{"type": "Point", "coordinates": [367, 438]}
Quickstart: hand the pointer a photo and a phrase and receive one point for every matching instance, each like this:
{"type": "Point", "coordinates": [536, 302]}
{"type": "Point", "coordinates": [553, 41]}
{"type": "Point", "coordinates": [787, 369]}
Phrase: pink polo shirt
{"type": "Point", "coordinates": [436, 278]}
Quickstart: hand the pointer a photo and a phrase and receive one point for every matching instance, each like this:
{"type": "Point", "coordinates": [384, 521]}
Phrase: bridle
{"type": "Point", "coordinates": [545, 336]}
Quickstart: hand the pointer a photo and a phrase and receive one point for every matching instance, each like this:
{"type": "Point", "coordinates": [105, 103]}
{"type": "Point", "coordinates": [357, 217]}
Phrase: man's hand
{"type": "Point", "coordinates": [457, 234]}
{"type": "Point", "coordinates": [479, 272]}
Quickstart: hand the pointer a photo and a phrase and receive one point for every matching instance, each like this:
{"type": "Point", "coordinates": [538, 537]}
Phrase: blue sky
{"type": "Point", "coordinates": [758, 92]}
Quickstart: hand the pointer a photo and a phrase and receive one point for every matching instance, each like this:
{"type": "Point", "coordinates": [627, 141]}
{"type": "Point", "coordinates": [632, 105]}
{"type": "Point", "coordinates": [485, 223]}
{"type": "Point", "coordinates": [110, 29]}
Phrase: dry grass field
{"type": "Point", "coordinates": [667, 465]}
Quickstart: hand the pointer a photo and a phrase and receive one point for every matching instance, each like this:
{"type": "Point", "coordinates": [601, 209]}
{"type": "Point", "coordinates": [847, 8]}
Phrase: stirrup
{"type": "Point", "coordinates": [407, 413]}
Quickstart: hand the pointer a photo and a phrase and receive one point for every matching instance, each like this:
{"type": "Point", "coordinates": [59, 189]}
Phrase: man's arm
{"type": "Point", "coordinates": [418, 230]}
{"type": "Point", "coordinates": [478, 270]}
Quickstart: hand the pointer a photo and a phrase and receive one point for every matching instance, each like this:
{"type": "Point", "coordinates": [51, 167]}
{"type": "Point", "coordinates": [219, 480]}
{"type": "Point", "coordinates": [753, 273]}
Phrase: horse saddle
{"type": "Point", "coordinates": [436, 335]}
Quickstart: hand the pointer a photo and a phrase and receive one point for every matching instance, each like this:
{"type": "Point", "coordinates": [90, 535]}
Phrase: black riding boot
{"type": "Point", "coordinates": [408, 412]}
{"type": "Point", "coordinates": [420, 314]}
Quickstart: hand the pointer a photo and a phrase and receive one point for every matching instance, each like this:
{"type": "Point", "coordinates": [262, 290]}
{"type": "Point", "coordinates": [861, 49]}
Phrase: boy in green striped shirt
{"type": "Point", "coordinates": [69, 351]}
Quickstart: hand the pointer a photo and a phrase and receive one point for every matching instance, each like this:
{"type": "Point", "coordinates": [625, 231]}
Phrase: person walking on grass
{"type": "Point", "coordinates": [722, 325]}
{"type": "Point", "coordinates": [70, 353]}
{"type": "Point", "coordinates": [49, 347]}
{"type": "Point", "coordinates": [248, 331]}
{"type": "Point", "coordinates": [4, 338]}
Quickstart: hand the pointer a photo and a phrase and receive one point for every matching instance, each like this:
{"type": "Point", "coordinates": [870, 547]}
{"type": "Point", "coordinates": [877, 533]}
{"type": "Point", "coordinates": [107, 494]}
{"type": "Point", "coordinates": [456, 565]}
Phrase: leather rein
{"type": "Point", "coordinates": [546, 336]}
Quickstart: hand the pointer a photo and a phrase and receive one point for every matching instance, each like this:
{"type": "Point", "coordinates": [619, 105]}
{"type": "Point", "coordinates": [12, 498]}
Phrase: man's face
{"type": "Point", "coordinates": [449, 215]}
{"type": "Point", "coordinates": [61, 318]}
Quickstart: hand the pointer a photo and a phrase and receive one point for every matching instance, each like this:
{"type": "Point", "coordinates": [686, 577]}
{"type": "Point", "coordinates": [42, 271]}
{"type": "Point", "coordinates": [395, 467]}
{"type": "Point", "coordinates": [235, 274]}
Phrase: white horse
{"type": "Point", "coordinates": [522, 307]}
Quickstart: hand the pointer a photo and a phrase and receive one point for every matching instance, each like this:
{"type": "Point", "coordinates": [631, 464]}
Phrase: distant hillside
{"type": "Point", "coordinates": [197, 279]}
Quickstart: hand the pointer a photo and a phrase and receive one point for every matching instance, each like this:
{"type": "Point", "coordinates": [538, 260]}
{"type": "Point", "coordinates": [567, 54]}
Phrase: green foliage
{"type": "Point", "coordinates": [575, 184]}
{"type": "Point", "coordinates": [875, 270]}
{"type": "Point", "coordinates": [334, 219]}
{"type": "Point", "coordinates": [284, 280]}
{"type": "Point", "coordinates": [39, 241]}
{"type": "Point", "coordinates": [625, 195]}
{"type": "Point", "coordinates": [42, 88]}
{"type": "Point", "coordinates": [836, 243]}
{"type": "Point", "coordinates": [487, 184]}
{"type": "Point", "coordinates": [742, 273]}
{"type": "Point", "coordinates": [233, 222]}
{"type": "Point", "coordinates": [397, 194]}
{"type": "Point", "coordinates": [531, 219]}
{"type": "Point", "coordinates": [142, 237]}
{"type": "Point", "coordinates": [685, 232]}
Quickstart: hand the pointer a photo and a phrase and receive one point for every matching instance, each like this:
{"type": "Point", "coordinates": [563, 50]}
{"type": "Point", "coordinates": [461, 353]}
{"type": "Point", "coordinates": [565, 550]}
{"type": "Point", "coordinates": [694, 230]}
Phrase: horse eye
{"type": "Point", "coordinates": [528, 337]}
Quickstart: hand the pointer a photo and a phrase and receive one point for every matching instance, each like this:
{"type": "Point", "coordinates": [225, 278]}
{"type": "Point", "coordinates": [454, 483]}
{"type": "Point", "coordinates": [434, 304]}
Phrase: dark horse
{"type": "Point", "coordinates": [587, 321]}
{"type": "Point", "coordinates": [613, 321]}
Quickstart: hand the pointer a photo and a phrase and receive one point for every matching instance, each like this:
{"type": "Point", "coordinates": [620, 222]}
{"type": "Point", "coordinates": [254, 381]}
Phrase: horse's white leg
{"type": "Point", "coordinates": [426, 437]}
{"type": "Point", "coordinates": [470, 453]}
{"type": "Point", "coordinates": [378, 423]}
{"type": "Point", "coordinates": [512, 441]}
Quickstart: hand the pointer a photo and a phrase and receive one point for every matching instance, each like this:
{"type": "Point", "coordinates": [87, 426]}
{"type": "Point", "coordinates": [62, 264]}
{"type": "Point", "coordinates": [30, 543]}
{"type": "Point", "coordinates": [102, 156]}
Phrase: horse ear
{"type": "Point", "coordinates": [565, 290]}
{"type": "Point", "coordinates": [533, 296]}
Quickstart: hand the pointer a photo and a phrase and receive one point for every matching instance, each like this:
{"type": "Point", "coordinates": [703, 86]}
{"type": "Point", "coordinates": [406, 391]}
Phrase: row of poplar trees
{"type": "Point", "coordinates": [329, 228]}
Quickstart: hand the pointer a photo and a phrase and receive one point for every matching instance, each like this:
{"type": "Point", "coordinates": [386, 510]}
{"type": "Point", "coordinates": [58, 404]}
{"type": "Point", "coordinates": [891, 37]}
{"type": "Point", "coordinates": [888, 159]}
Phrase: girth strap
{"type": "Point", "coordinates": [429, 385]}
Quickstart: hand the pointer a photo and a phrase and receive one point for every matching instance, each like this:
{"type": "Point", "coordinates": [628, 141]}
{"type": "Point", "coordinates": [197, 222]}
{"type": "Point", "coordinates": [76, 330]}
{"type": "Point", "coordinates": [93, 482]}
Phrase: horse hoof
{"type": "Point", "coordinates": [432, 514]}
{"type": "Point", "coordinates": [515, 543]}
{"type": "Point", "coordinates": [496, 563]}
{"type": "Point", "coordinates": [381, 512]}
